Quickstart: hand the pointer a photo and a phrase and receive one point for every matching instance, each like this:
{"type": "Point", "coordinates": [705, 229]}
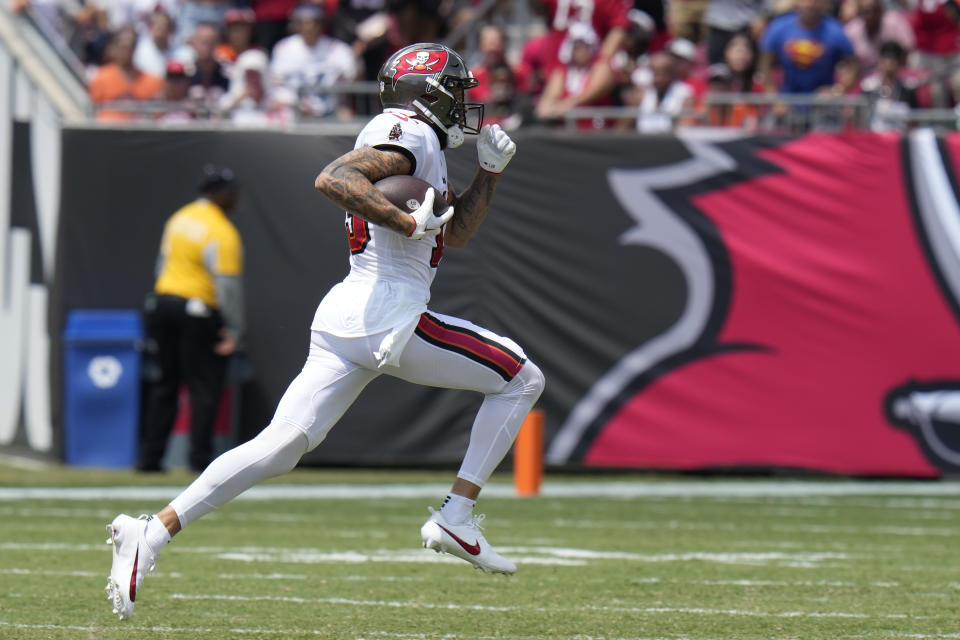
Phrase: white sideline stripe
{"type": "Point", "coordinates": [348, 601]}
{"type": "Point", "coordinates": [477, 607]}
{"type": "Point", "coordinates": [402, 636]}
{"type": "Point", "coordinates": [614, 489]}
{"type": "Point", "coordinates": [551, 556]}
{"type": "Point", "coordinates": [18, 571]}
{"type": "Point", "coordinates": [886, 530]}
{"type": "Point", "coordinates": [359, 636]}
{"type": "Point", "coordinates": [23, 571]}
{"type": "Point", "coordinates": [387, 578]}
{"type": "Point", "coordinates": [357, 557]}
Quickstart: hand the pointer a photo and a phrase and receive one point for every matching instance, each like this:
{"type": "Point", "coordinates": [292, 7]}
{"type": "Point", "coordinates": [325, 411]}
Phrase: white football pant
{"type": "Point", "coordinates": [444, 352]}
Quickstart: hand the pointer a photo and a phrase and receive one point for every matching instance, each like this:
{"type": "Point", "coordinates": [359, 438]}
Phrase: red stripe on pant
{"type": "Point", "coordinates": [478, 348]}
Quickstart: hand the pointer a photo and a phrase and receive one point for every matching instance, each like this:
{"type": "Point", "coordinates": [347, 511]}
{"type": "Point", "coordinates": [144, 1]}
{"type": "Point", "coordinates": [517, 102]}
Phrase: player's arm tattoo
{"type": "Point", "coordinates": [470, 208]}
{"type": "Point", "coordinates": [348, 181]}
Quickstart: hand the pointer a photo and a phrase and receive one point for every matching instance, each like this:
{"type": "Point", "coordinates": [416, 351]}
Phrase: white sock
{"type": "Point", "coordinates": [156, 534]}
{"type": "Point", "coordinates": [457, 509]}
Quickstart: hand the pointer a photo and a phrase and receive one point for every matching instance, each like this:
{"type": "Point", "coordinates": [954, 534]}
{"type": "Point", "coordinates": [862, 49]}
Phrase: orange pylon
{"type": "Point", "coordinates": [528, 455]}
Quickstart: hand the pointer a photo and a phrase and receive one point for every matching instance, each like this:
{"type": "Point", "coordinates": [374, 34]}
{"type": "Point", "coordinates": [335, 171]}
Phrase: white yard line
{"type": "Point", "coordinates": [614, 489]}
{"type": "Point", "coordinates": [364, 635]}
{"type": "Point", "coordinates": [367, 635]}
{"type": "Point", "coordinates": [241, 577]}
{"type": "Point", "coordinates": [885, 530]}
{"type": "Point", "coordinates": [396, 604]}
{"type": "Point", "coordinates": [542, 555]}
{"type": "Point", "coordinates": [404, 604]}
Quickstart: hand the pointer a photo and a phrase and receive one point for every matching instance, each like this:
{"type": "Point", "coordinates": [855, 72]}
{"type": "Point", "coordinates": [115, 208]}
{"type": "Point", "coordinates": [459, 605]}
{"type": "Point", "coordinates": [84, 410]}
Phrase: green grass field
{"type": "Point", "coordinates": [606, 557]}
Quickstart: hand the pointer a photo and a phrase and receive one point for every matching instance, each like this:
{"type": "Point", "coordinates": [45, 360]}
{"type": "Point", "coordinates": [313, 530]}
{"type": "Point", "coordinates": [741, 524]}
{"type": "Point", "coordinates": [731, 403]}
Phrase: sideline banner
{"type": "Point", "coordinates": [694, 304]}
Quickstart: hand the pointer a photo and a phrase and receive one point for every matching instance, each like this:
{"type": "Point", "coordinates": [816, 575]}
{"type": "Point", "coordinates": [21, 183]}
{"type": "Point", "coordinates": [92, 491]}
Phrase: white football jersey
{"type": "Point", "coordinates": [388, 286]}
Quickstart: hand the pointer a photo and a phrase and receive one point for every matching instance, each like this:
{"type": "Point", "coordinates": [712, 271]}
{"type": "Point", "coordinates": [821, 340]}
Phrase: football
{"type": "Point", "coordinates": [407, 192]}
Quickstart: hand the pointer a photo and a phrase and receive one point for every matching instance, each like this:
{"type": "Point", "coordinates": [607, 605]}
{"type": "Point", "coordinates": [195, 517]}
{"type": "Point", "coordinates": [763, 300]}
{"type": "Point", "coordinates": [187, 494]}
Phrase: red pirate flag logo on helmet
{"type": "Point", "coordinates": [426, 62]}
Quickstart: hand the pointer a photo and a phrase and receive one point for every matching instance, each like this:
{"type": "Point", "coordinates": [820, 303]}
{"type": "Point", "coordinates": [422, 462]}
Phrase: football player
{"type": "Point", "coordinates": [376, 320]}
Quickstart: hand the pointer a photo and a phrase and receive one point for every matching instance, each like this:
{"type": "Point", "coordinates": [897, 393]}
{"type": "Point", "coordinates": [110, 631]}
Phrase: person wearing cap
{"type": "Point", "coordinates": [609, 21]}
{"type": "Point", "coordinates": [684, 54]}
{"type": "Point", "coordinates": [179, 107]}
{"type": "Point", "coordinates": [570, 79]}
{"type": "Point", "coordinates": [194, 319]}
{"type": "Point", "coordinates": [238, 35]}
{"type": "Point", "coordinates": [249, 102]}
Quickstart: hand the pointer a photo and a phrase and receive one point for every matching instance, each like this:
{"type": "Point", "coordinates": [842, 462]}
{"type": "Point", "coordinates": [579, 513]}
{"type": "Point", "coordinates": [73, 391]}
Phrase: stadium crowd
{"type": "Point", "coordinates": [275, 62]}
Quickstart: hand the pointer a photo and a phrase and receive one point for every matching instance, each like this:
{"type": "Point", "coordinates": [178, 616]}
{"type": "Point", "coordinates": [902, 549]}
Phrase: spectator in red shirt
{"type": "Point", "coordinates": [938, 46]}
{"type": "Point", "coordinates": [569, 81]}
{"type": "Point", "coordinates": [534, 67]}
{"type": "Point", "coordinates": [609, 21]}
{"type": "Point", "coordinates": [273, 19]}
{"type": "Point", "coordinates": [492, 44]}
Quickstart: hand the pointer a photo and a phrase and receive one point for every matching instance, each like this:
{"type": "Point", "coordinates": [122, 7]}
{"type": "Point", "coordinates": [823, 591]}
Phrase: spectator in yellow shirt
{"type": "Point", "coordinates": [194, 319]}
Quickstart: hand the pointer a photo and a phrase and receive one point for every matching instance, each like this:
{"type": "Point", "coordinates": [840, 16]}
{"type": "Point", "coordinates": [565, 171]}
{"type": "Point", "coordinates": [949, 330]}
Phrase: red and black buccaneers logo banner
{"type": "Point", "coordinates": [821, 323]}
{"type": "Point", "coordinates": [694, 303]}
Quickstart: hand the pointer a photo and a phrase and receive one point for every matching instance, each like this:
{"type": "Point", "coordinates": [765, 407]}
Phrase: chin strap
{"type": "Point", "coordinates": [454, 137]}
{"type": "Point", "coordinates": [454, 134]}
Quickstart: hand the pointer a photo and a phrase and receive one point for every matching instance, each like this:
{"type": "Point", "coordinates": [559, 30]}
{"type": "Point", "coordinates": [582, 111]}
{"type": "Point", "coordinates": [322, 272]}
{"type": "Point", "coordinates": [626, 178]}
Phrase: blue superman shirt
{"type": "Point", "coordinates": [808, 57]}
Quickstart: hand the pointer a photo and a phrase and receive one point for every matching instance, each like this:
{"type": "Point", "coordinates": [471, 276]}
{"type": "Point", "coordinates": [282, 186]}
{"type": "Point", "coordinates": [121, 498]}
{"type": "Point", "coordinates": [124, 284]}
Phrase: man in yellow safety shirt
{"type": "Point", "coordinates": [194, 319]}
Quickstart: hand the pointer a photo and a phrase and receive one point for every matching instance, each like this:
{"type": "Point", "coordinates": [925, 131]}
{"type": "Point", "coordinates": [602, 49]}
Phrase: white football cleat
{"type": "Point", "coordinates": [132, 560]}
{"type": "Point", "coordinates": [464, 541]}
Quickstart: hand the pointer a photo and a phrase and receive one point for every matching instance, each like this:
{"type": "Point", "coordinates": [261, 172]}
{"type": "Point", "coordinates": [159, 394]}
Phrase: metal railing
{"type": "Point", "coordinates": [359, 100]}
{"type": "Point", "coordinates": [28, 41]}
{"type": "Point", "coordinates": [57, 40]}
{"type": "Point", "coordinates": [787, 114]}
{"type": "Point", "coordinates": [753, 113]}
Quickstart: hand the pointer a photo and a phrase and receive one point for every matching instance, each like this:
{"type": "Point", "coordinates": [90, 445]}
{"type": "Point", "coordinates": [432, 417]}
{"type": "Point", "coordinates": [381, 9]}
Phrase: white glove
{"type": "Point", "coordinates": [429, 225]}
{"type": "Point", "coordinates": [494, 148]}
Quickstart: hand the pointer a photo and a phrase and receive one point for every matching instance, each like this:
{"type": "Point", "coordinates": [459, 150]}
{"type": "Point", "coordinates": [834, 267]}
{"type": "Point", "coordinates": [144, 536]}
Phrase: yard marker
{"type": "Point", "coordinates": [528, 455]}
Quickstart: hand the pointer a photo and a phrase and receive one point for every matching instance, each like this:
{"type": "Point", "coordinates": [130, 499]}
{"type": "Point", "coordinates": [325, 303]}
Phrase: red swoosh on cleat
{"type": "Point", "coordinates": [472, 549]}
{"type": "Point", "coordinates": [133, 577]}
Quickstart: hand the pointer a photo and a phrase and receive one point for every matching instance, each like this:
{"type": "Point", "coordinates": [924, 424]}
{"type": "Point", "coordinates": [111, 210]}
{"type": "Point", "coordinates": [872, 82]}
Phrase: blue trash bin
{"type": "Point", "coordinates": [101, 387]}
